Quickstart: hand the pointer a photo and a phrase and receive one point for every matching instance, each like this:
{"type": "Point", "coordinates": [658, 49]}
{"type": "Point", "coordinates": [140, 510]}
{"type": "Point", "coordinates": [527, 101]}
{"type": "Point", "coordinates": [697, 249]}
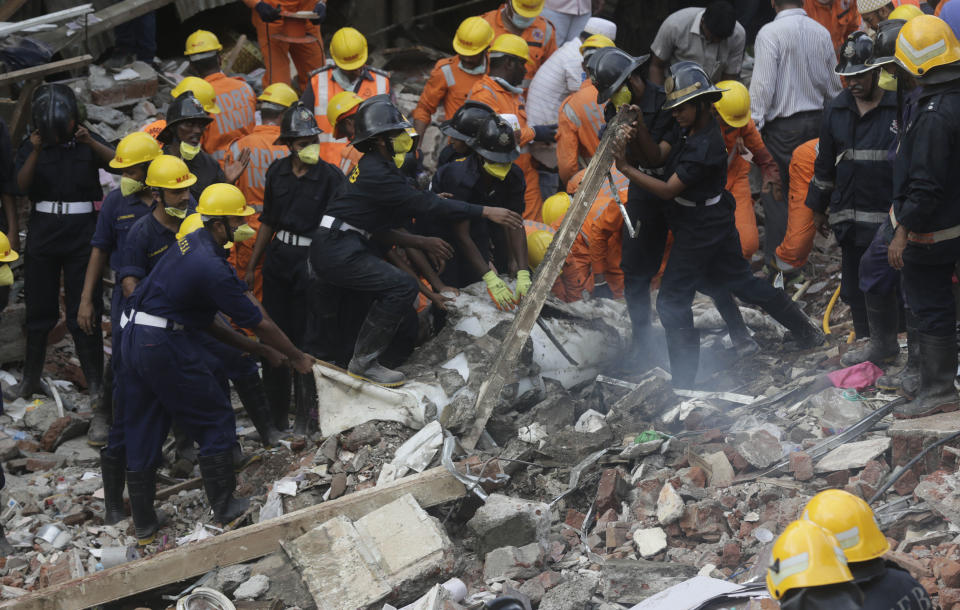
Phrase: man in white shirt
{"type": "Point", "coordinates": [793, 79]}
{"type": "Point", "coordinates": [567, 16]}
{"type": "Point", "coordinates": [710, 37]}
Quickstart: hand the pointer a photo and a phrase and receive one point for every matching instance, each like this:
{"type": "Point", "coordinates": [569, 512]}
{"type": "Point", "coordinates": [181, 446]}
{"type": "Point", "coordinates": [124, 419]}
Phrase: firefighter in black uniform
{"type": "Point", "coordinates": [59, 168]}
{"type": "Point", "coordinates": [926, 208]}
{"type": "Point", "coordinates": [462, 128]}
{"type": "Point", "coordinates": [851, 189]}
{"type": "Point", "coordinates": [700, 214]}
{"type": "Point", "coordinates": [296, 193]}
{"type": "Point", "coordinates": [377, 199]}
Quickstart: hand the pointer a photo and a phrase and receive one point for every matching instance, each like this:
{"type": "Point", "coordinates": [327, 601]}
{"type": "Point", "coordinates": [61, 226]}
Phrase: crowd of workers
{"type": "Point", "coordinates": [252, 234]}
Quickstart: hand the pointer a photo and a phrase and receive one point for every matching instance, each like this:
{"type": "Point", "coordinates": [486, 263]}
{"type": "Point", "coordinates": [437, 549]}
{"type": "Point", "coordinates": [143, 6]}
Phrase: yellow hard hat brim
{"type": "Point", "coordinates": [9, 258]}
{"type": "Point", "coordinates": [462, 50]}
{"type": "Point", "coordinates": [180, 185]}
{"type": "Point", "coordinates": [734, 121]}
{"type": "Point", "coordinates": [526, 12]}
{"type": "Point", "coordinates": [353, 65]}
{"type": "Point", "coordinates": [212, 108]}
{"type": "Point", "coordinates": [119, 165]}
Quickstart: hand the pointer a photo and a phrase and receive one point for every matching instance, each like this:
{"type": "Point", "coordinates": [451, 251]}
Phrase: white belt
{"type": "Point", "coordinates": [64, 207]}
{"type": "Point", "coordinates": [692, 204]}
{"type": "Point", "coordinates": [328, 222]}
{"type": "Point", "coordinates": [928, 238]}
{"type": "Point", "coordinates": [145, 319]}
{"type": "Point", "coordinates": [293, 239]}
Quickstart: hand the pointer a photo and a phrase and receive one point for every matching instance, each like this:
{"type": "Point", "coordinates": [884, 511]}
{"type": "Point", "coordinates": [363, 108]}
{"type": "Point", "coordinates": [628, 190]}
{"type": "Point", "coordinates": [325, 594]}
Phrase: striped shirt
{"type": "Point", "coordinates": [558, 77]}
{"type": "Point", "coordinates": [793, 71]}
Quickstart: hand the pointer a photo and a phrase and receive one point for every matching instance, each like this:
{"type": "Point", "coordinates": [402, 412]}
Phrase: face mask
{"type": "Point", "coordinates": [402, 144]}
{"type": "Point", "coordinates": [497, 170]}
{"type": "Point", "coordinates": [188, 151]}
{"type": "Point", "coordinates": [309, 154]}
{"type": "Point", "coordinates": [521, 23]}
{"type": "Point", "coordinates": [243, 233]}
{"type": "Point", "coordinates": [6, 275]}
{"type": "Point", "coordinates": [129, 186]}
{"type": "Point", "coordinates": [176, 212]}
{"type": "Point", "coordinates": [621, 97]}
{"type": "Point", "coordinates": [478, 70]}
{"type": "Point", "coordinates": [888, 82]}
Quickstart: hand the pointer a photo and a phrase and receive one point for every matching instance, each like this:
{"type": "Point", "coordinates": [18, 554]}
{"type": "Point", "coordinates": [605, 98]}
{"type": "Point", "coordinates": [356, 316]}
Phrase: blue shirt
{"type": "Point", "coordinates": [146, 241]}
{"type": "Point", "coordinates": [192, 282]}
{"type": "Point", "coordinates": [116, 217]}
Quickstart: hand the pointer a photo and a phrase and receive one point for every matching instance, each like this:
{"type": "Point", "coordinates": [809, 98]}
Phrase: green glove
{"type": "Point", "coordinates": [499, 292]}
{"type": "Point", "coordinates": [523, 283]}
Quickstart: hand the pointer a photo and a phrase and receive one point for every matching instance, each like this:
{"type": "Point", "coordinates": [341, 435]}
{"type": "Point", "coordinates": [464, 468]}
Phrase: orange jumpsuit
{"type": "Point", "coordinates": [578, 130]}
{"type": "Point", "coordinates": [796, 246]}
{"type": "Point", "coordinates": [349, 157]}
{"type": "Point", "coordinates": [447, 85]}
{"type": "Point", "coordinates": [490, 92]}
{"type": "Point", "coordinates": [276, 44]}
{"type": "Point", "coordinates": [840, 18]}
{"type": "Point", "coordinates": [238, 107]}
{"type": "Point", "coordinates": [738, 179]}
{"type": "Point", "coordinates": [541, 38]}
{"type": "Point", "coordinates": [606, 240]}
{"type": "Point", "coordinates": [155, 127]}
{"type": "Point", "coordinates": [263, 152]}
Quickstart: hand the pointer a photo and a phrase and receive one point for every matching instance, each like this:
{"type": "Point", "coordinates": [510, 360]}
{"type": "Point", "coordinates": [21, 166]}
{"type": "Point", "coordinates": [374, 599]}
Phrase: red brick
{"type": "Point", "coordinates": [801, 465]}
{"type": "Point", "coordinates": [36, 464]}
{"type": "Point", "coordinates": [906, 483]}
{"type": "Point", "coordinates": [950, 574]}
{"type": "Point", "coordinates": [949, 597]}
{"type": "Point", "coordinates": [28, 446]}
{"type": "Point", "coordinates": [611, 490]}
{"type": "Point", "coordinates": [730, 556]}
{"type": "Point", "coordinates": [550, 579]}
{"type": "Point", "coordinates": [610, 516]}
{"type": "Point", "coordinates": [695, 477]}
{"type": "Point", "coordinates": [575, 519]}
{"type": "Point", "coordinates": [839, 479]}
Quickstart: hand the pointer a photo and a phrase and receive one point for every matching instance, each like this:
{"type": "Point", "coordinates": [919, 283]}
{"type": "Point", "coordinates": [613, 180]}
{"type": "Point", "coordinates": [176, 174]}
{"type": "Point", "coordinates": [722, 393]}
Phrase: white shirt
{"type": "Point", "coordinates": [793, 71]}
{"type": "Point", "coordinates": [569, 7]}
{"type": "Point", "coordinates": [680, 39]}
{"type": "Point", "coordinates": [558, 77]}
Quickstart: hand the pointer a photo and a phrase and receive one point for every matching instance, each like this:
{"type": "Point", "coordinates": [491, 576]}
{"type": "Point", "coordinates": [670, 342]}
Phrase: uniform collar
{"type": "Point", "coordinates": [285, 168]}
{"type": "Point", "coordinates": [887, 100]}
{"type": "Point", "coordinates": [865, 571]}
{"type": "Point", "coordinates": [791, 12]}
{"type": "Point", "coordinates": [155, 225]}
{"type": "Point", "coordinates": [695, 27]}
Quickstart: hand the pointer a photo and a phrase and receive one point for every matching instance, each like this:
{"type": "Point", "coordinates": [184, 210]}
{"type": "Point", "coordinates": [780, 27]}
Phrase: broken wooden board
{"type": "Point", "coordinates": [545, 276]}
{"type": "Point", "coordinates": [106, 19]}
{"type": "Point", "coordinates": [429, 488]}
{"type": "Point", "coordinates": [44, 69]}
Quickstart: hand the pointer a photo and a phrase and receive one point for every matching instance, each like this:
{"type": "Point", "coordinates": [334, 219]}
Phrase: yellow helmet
{"type": "Point", "coordinates": [222, 199]}
{"type": "Point", "coordinates": [555, 207]}
{"type": "Point", "coordinates": [134, 149]}
{"type": "Point", "coordinates": [805, 555]}
{"type": "Point", "coordinates": [280, 94]}
{"type": "Point", "coordinates": [7, 254]}
{"type": "Point", "coordinates": [190, 224]}
{"type": "Point", "coordinates": [473, 36]}
{"type": "Point", "coordinates": [511, 44]}
{"type": "Point", "coordinates": [201, 89]}
{"type": "Point", "coordinates": [924, 43]}
{"type": "Point", "coordinates": [537, 244]}
{"type": "Point", "coordinates": [202, 42]}
{"type": "Point", "coordinates": [169, 172]}
{"type": "Point", "coordinates": [596, 41]}
{"type": "Point", "coordinates": [348, 47]}
{"type": "Point", "coordinates": [734, 106]}
{"type": "Point", "coordinates": [851, 521]}
{"type": "Point", "coordinates": [527, 8]}
{"type": "Point", "coordinates": [905, 12]}
{"type": "Point", "coordinates": [342, 104]}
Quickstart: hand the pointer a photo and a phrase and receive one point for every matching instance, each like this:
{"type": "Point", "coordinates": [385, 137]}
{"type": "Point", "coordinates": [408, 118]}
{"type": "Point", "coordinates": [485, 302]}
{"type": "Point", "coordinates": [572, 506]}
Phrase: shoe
{"type": "Point", "coordinates": [743, 343]}
{"type": "Point", "coordinates": [113, 472]}
{"type": "Point", "coordinates": [683, 346]}
{"type": "Point", "coordinates": [253, 396]}
{"type": "Point", "coordinates": [305, 399]}
{"type": "Point", "coordinates": [805, 334]}
{"type": "Point", "coordinates": [90, 354]}
{"type": "Point", "coordinates": [142, 487]}
{"type": "Point", "coordinates": [30, 383]}
{"type": "Point", "coordinates": [938, 369]}
{"type": "Point", "coordinates": [220, 481]}
{"type": "Point", "coordinates": [377, 331]}
{"type": "Point", "coordinates": [99, 430]}
{"type": "Point", "coordinates": [907, 380]}
{"type": "Point", "coordinates": [883, 317]}
{"type": "Point", "coordinates": [276, 384]}
{"type": "Point", "coordinates": [241, 460]}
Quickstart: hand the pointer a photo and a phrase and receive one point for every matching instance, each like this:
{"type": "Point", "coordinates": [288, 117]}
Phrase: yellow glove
{"type": "Point", "coordinates": [523, 283]}
{"type": "Point", "coordinates": [499, 292]}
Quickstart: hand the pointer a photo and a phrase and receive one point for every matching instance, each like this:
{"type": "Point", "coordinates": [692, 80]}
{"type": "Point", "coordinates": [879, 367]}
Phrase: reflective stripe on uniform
{"type": "Point", "coordinates": [857, 216]}
{"type": "Point", "coordinates": [823, 185]}
{"type": "Point", "coordinates": [852, 154]}
{"type": "Point", "coordinates": [382, 83]}
{"type": "Point", "coordinates": [692, 204]}
{"type": "Point", "coordinates": [321, 96]}
{"type": "Point", "coordinates": [927, 238]}
{"type": "Point", "coordinates": [548, 33]}
{"type": "Point", "coordinates": [447, 71]}
{"type": "Point", "coordinates": [572, 115]}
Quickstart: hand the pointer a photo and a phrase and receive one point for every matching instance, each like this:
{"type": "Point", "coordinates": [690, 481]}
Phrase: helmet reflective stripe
{"type": "Point", "coordinates": [922, 55]}
{"type": "Point", "coordinates": [790, 567]}
{"type": "Point", "coordinates": [678, 93]}
{"type": "Point", "coordinates": [849, 538]}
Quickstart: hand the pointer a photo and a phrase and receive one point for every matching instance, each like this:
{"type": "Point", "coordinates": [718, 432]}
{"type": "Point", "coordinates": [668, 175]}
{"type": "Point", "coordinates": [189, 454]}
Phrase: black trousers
{"type": "Point", "coordinates": [850, 255]}
{"type": "Point", "coordinates": [285, 288]}
{"type": "Point", "coordinates": [642, 255]}
{"type": "Point", "coordinates": [927, 280]}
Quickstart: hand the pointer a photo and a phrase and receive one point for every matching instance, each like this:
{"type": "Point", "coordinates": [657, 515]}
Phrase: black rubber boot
{"type": "Point", "coordinates": [142, 488]}
{"type": "Point", "coordinates": [220, 481]}
{"type": "Point", "coordinates": [103, 416]}
{"type": "Point", "coordinates": [938, 369]}
{"type": "Point", "coordinates": [637, 294]}
{"type": "Point", "coordinates": [305, 399]}
{"type": "Point", "coordinates": [90, 354]}
{"type": "Point", "coordinates": [743, 343]}
{"type": "Point", "coordinates": [377, 331]}
{"type": "Point", "coordinates": [883, 317]}
{"type": "Point", "coordinates": [907, 380]}
{"type": "Point", "coordinates": [253, 396]}
{"type": "Point", "coordinates": [683, 345]}
{"type": "Point", "coordinates": [805, 333]}
{"type": "Point", "coordinates": [113, 471]}
{"type": "Point", "coordinates": [185, 453]}
{"type": "Point", "coordinates": [36, 354]}
{"type": "Point", "coordinates": [276, 384]}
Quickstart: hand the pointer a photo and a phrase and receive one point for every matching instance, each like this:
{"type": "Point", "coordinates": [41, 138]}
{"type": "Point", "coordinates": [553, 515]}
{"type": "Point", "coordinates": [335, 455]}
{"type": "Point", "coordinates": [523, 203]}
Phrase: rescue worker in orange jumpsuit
{"type": "Point", "coordinates": [340, 111]}
{"type": "Point", "coordinates": [522, 18]}
{"type": "Point", "coordinates": [741, 136]}
{"type": "Point", "coordinates": [604, 230]}
{"type": "Point", "coordinates": [276, 35]}
{"type": "Point", "coordinates": [500, 89]}
{"type": "Point", "coordinates": [263, 151]}
{"type": "Point", "coordinates": [792, 253]}
{"type": "Point", "coordinates": [840, 17]}
{"type": "Point", "coordinates": [580, 119]}
{"type": "Point", "coordinates": [349, 72]}
{"type": "Point", "coordinates": [452, 78]}
{"type": "Point", "coordinates": [235, 98]}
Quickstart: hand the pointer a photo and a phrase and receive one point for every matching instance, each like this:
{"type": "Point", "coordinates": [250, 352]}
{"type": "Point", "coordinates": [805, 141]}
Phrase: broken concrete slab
{"type": "Point", "coordinates": [627, 581]}
{"type": "Point", "coordinates": [669, 505]}
{"type": "Point", "coordinates": [573, 594]}
{"type": "Point", "coordinates": [253, 588]}
{"type": "Point", "coordinates": [231, 577]}
{"type": "Point", "coordinates": [717, 466]}
{"type": "Point", "coordinates": [909, 437]}
{"type": "Point", "coordinates": [511, 562]}
{"type": "Point", "coordinates": [942, 493]}
{"type": "Point", "coordinates": [507, 521]}
{"type": "Point", "coordinates": [853, 455]}
{"type": "Point", "coordinates": [760, 448]}
{"type": "Point", "coordinates": [650, 541]}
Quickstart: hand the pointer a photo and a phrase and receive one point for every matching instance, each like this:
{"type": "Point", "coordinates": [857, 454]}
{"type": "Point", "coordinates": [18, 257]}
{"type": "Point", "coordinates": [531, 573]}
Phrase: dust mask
{"type": "Point", "coordinates": [887, 82]}
{"type": "Point", "coordinates": [497, 170]}
{"type": "Point", "coordinates": [175, 212]}
{"type": "Point", "coordinates": [188, 151]}
{"type": "Point", "coordinates": [621, 97]}
{"type": "Point", "coordinates": [243, 233]}
{"type": "Point", "coordinates": [129, 186]}
{"type": "Point", "coordinates": [309, 154]}
{"type": "Point", "coordinates": [402, 144]}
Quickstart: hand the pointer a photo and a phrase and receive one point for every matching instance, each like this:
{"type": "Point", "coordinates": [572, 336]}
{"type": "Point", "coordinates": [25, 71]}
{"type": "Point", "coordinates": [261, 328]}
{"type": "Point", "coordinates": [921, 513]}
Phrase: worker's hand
{"type": "Point", "coordinates": [267, 13]}
{"type": "Point", "coordinates": [85, 316]}
{"type": "Point", "coordinates": [14, 238]}
{"type": "Point", "coordinates": [523, 283]}
{"type": "Point", "coordinates": [444, 195]}
{"type": "Point", "coordinates": [503, 216]}
{"type": "Point", "coordinates": [234, 168]}
{"type": "Point", "coordinates": [439, 300]}
{"type": "Point", "coordinates": [499, 292]}
{"type": "Point", "coordinates": [82, 135]}
{"type": "Point", "coordinates": [320, 8]}
{"type": "Point", "coordinates": [36, 141]}
{"type": "Point", "coordinates": [444, 289]}
{"type": "Point", "coordinates": [437, 250]}
{"type": "Point", "coordinates": [897, 245]}
{"type": "Point", "coordinates": [773, 188]}
{"type": "Point", "coordinates": [820, 223]}
{"type": "Point", "coordinates": [303, 363]}
{"type": "Point", "coordinates": [545, 133]}
{"type": "Point", "coordinates": [249, 276]}
{"type": "Point", "coordinates": [272, 356]}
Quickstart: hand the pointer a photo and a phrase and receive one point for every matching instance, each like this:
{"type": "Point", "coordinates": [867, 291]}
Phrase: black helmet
{"type": "Point", "coordinates": [590, 62]}
{"type": "Point", "coordinates": [854, 53]}
{"type": "Point", "coordinates": [496, 141]}
{"type": "Point", "coordinates": [611, 69]}
{"type": "Point", "coordinates": [505, 602]}
{"type": "Point", "coordinates": [885, 44]}
{"type": "Point", "coordinates": [186, 107]}
{"type": "Point", "coordinates": [297, 122]}
{"type": "Point", "coordinates": [377, 115]}
{"type": "Point", "coordinates": [687, 81]}
{"type": "Point", "coordinates": [55, 113]}
{"type": "Point", "coordinates": [465, 122]}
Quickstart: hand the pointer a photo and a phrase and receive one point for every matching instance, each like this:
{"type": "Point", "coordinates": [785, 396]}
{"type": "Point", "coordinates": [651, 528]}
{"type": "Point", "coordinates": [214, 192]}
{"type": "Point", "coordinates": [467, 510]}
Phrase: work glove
{"type": "Point", "coordinates": [545, 133]}
{"type": "Point", "coordinates": [268, 13]}
{"type": "Point", "coordinates": [321, 10]}
{"type": "Point", "coordinates": [499, 292]}
{"type": "Point", "coordinates": [602, 291]}
{"type": "Point", "coordinates": [523, 283]}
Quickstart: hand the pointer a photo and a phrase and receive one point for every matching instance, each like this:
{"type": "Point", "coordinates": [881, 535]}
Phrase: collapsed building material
{"type": "Point", "coordinates": [42, 70]}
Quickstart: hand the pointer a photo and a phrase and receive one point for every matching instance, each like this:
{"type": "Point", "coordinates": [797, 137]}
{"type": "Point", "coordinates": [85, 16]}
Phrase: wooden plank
{"type": "Point", "coordinates": [44, 69]}
{"type": "Point", "coordinates": [544, 278]}
{"type": "Point", "coordinates": [9, 7]}
{"type": "Point", "coordinates": [430, 488]}
{"type": "Point", "coordinates": [66, 14]}
{"type": "Point", "coordinates": [109, 18]}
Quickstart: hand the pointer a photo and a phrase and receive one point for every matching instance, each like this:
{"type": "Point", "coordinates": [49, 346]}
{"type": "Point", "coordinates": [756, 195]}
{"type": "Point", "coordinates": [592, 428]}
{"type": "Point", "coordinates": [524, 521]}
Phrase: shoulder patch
{"type": "Point", "coordinates": [354, 174]}
{"type": "Point", "coordinates": [321, 69]}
